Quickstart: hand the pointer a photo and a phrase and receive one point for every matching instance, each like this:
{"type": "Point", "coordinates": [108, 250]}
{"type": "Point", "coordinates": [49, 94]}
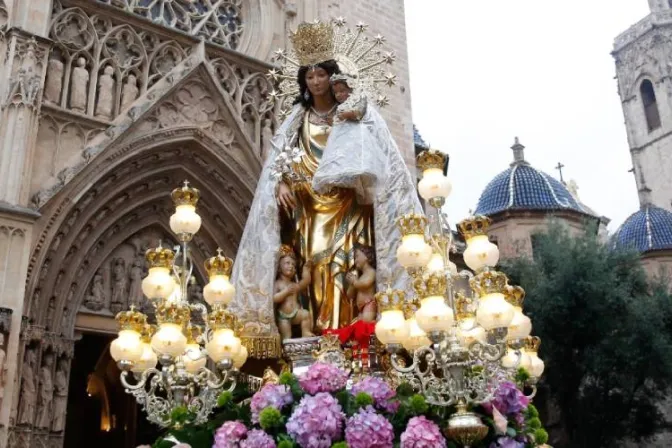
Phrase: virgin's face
{"type": "Point", "coordinates": [288, 266]}
{"type": "Point", "coordinates": [317, 80]}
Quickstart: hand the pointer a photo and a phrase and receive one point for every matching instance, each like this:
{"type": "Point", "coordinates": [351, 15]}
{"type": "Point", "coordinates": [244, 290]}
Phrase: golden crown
{"type": "Point", "coordinates": [474, 226]}
{"type": "Point", "coordinates": [313, 43]}
{"type": "Point", "coordinates": [220, 319]}
{"type": "Point", "coordinates": [410, 308]}
{"type": "Point", "coordinates": [489, 282]}
{"type": "Point", "coordinates": [390, 299]}
{"type": "Point", "coordinates": [172, 313]}
{"type": "Point", "coordinates": [160, 257]}
{"type": "Point", "coordinates": [532, 344]}
{"type": "Point", "coordinates": [286, 251]}
{"type": "Point", "coordinates": [147, 333]}
{"type": "Point", "coordinates": [218, 265]}
{"type": "Point", "coordinates": [185, 195]}
{"type": "Point", "coordinates": [412, 224]}
{"type": "Point", "coordinates": [515, 295]}
{"type": "Point", "coordinates": [463, 306]}
{"type": "Point", "coordinates": [132, 320]}
{"type": "Point", "coordinates": [434, 284]}
{"type": "Point", "coordinates": [193, 333]}
{"type": "Point", "coordinates": [430, 159]}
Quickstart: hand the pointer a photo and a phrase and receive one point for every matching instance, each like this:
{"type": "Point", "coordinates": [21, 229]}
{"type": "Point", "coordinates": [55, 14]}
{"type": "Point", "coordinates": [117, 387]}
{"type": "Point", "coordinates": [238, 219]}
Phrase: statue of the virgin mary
{"type": "Point", "coordinates": [322, 228]}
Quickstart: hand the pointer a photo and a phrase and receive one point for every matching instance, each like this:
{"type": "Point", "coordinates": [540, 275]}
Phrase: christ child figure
{"type": "Point", "coordinates": [350, 107]}
{"type": "Point", "coordinates": [362, 283]}
{"type": "Point", "coordinates": [286, 295]}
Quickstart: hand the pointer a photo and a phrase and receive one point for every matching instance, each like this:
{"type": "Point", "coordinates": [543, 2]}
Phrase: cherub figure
{"type": "Point", "coordinates": [362, 283]}
{"type": "Point", "coordinates": [286, 295]}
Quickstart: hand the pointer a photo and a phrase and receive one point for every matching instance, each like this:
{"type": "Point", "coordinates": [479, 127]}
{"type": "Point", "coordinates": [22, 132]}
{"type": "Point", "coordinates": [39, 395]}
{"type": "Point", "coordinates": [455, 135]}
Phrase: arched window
{"type": "Point", "coordinates": [650, 105]}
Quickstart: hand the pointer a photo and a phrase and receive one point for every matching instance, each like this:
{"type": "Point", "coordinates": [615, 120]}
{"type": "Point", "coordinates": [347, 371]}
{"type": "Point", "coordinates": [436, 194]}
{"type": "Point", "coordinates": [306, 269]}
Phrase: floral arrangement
{"type": "Point", "coordinates": [320, 410]}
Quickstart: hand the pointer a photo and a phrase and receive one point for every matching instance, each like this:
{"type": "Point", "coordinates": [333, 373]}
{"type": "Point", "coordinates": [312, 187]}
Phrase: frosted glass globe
{"type": "Point", "coordinates": [414, 252]}
{"type": "Point", "coordinates": [416, 336]}
{"type": "Point", "coordinates": [434, 315]}
{"type": "Point", "coordinates": [511, 358]}
{"type": "Point", "coordinates": [520, 326]}
{"type": "Point", "coordinates": [536, 365]}
{"type": "Point", "coordinates": [434, 184]}
{"type": "Point", "coordinates": [494, 311]}
{"type": "Point", "coordinates": [240, 357]}
{"type": "Point", "coordinates": [471, 336]}
{"type": "Point", "coordinates": [147, 360]}
{"type": "Point", "coordinates": [193, 358]}
{"type": "Point", "coordinates": [392, 328]}
{"type": "Point", "coordinates": [158, 284]}
{"type": "Point", "coordinates": [435, 263]}
{"type": "Point", "coordinates": [169, 340]}
{"type": "Point", "coordinates": [185, 220]}
{"type": "Point", "coordinates": [126, 347]}
{"type": "Point", "coordinates": [480, 252]}
{"type": "Point", "coordinates": [219, 290]}
{"type": "Point", "coordinates": [223, 345]}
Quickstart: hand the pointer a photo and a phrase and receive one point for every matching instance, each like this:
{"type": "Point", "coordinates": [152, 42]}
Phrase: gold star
{"type": "Point", "coordinates": [390, 79]}
{"type": "Point", "coordinates": [279, 53]}
{"type": "Point", "coordinates": [339, 21]}
{"type": "Point", "coordinates": [273, 95]}
{"type": "Point", "coordinates": [389, 57]}
{"type": "Point", "coordinates": [273, 74]}
{"type": "Point", "coordinates": [383, 101]}
{"type": "Point", "coordinates": [361, 26]}
{"type": "Point", "coordinates": [379, 39]}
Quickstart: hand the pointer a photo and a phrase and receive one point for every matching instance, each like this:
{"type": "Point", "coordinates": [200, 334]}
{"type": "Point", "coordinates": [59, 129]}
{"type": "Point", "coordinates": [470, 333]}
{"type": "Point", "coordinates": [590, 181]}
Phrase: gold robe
{"type": "Point", "coordinates": [326, 227]}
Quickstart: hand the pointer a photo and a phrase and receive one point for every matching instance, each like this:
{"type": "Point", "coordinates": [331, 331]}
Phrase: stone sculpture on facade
{"type": "Point", "coordinates": [119, 286]}
{"type": "Point", "coordinates": [105, 102]}
{"type": "Point", "coordinates": [97, 298]}
{"type": "Point", "coordinates": [3, 368]}
{"type": "Point", "coordinates": [129, 92]}
{"type": "Point", "coordinates": [135, 295]}
{"type": "Point", "coordinates": [28, 389]}
{"type": "Point", "coordinates": [60, 396]}
{"type": "Point", "coordinates": [54, 82]}
{"type": "Point", "coordinates": [78, 86]}
{"type": "Point", "coordinates": [46, 394]}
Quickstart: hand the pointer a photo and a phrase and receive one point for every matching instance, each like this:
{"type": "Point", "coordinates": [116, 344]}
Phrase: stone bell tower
{"type": "Point", "coordinates": [643, 56]}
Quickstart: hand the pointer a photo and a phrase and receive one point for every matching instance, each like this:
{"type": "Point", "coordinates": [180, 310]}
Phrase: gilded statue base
{"type": "Point", "coordinates": [298, 352]}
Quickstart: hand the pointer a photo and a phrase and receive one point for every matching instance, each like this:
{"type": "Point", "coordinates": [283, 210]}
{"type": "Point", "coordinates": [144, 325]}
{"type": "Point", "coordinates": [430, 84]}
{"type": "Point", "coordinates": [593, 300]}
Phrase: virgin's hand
{"type": "Point", "coordinates": [285, 197]}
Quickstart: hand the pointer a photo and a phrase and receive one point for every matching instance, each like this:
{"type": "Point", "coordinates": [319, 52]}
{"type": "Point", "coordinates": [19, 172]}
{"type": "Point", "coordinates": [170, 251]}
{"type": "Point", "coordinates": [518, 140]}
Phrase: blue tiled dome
{"type": "Point", "coordinates": [525, 188]}
{"type": "Point", "coordinates": [648, 229]}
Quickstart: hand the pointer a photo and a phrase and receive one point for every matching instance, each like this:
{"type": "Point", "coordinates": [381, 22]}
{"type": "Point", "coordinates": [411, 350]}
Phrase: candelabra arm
{"type": "Point", "coordinates": [399, 367]}
{"type": "Point", "coordinates": [141, 382]}
{"type": "Point", "coordinates": [204, 315]}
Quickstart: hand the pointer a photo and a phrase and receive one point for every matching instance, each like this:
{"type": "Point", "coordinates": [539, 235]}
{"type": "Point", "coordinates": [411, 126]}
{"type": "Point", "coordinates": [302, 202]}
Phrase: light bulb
{"type": "Point", "coordinates": [126, 347]}
{"type": "Point", "coordinates": [185, 220]}
{"type": "Point", "coordinates": [494, 311]}
{"type": "Point", "coordinates": [434, 184]}
{"type": "Point", "coordinates": [414, 252]}
{"type": "Point", "coordinates": [223, 345]}
{"type": "Point", "coordinates": [219, 290]}
{"type": "Point", "coordinates": [434, 314]}
{"type": "Point", "coordinates": [480, 252]}
{"type": "Point", "coordinates": [520, 326]}
{"type": "Point", "coordinates": [147, 360]}
{"type": "Point", "coordinates": [169, 340]}
{"type": "Point", "coordinates": [392, 328]}
{"type": "Point", "coordinates": [193, 358]}
{"type": "Point", "coordinates": [416, 336]}
{"type": "Point", "coordinates": [158, 284]}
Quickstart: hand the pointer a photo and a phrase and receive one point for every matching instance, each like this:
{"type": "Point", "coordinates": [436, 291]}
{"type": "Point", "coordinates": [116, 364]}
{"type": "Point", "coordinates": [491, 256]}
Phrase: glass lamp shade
{"type": "Point", "coordinates": [185, 220]}
{"type": "Point", "coordinates": [416, 336]}
{"type": "Point", "coordinates": [494, 311]}
{"type": "Point", "coordinates": [219, 290]}
{"type": "Point", "coordinates": [169, 340]}
{"type": "Point", "coordinates": [452, 268]}
{"type": "Point", "coordinates": [176, 295]}
{"type": "Point", "coordinates": [435, 263]}
{"type": "Point", "coordinates": [511, 358]}
{"type": "Point", "coordinates": [147, 360]}
{"type": "Point", "coordinates": [434, 184]}
{"type": "Point", "coordinates": [240, 357]}
{"type": "Point", "coordinates": [127, 347]}
{"type": "Point", "coordinates": [434, 315]}
{"type": "Point", "coordinates": [536, 365]}
{"type": "Point", "coordinates": [158, 284]}
{"type": "Point", "coordinates": [480, 252]}
{"type": "Point", "coordinates": [223, 345]}
{"type": "Point", "coordinates": [194, 359]}
{"type": "Point", "coordinates": [414, 252]}
{"type": "Point", "coordinates": [520, 326]}
{"type": "Point", "coordinates": [469, 335]}
{"type": "Point", "coordinates": [392, 328]}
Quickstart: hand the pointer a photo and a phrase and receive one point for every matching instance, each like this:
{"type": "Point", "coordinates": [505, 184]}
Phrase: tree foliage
{"type": "Point", "coordinates": [606, 336]}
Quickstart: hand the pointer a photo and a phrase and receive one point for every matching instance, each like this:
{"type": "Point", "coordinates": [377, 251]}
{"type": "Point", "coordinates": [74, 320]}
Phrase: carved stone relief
{"type": "Point", "coordinates": [649, 56]}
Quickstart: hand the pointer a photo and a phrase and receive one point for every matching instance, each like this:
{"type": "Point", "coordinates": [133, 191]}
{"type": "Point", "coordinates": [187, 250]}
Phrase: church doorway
{"type": "Point", "coordinates": [100, 413]}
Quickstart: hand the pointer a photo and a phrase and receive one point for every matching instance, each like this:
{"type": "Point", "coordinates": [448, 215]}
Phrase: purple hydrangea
{"type": "Point", "coordinates": [230, 434]}
{"type": "Point", "coordinates": [258, 439]}
{"type": "Point", "coordinates": [422, 433]}
{"type": "Point", "coordinates": [508, 399]}
{"type": "Point", "coordinates": [380, 391]}
{"type": "Point", "coordinates": [317, 421]}
{"type": "Point", "coordinates": [273, 395]}
{"type": "Point", "coordinates": [366, 429]}
{"type": "Point", "coordinates": [323, 377]}
{"type": "Point", "coordinates": [507, 442]}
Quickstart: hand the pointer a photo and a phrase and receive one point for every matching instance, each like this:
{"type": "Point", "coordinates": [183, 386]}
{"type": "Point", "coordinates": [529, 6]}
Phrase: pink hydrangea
{"type": "Point", "coordinates": [258, 439]}
{"type": "Point", "coordinates": [366, 429]}
{"type": "Point", "coordinates": [323, 377]}
{"type": "Point", "coordinates": [230, 434]}
{"type": "Point", "coordinates": [380, 391]}
{"type": "Point", "coordinates": [273, 395]}
{"type": "Point", "coordinates": [317, 421]}
{"type": "Point", "coordinates": [422, 433]}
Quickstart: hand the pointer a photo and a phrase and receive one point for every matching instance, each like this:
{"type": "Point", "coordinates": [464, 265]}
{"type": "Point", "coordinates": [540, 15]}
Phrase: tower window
{"type": "Point", "coordinates": [650, 105]}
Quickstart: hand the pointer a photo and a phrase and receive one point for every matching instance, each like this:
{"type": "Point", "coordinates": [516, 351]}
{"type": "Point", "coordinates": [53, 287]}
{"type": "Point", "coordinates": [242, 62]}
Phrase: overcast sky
{"type": "Point", "coordinates": [485, 71]}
